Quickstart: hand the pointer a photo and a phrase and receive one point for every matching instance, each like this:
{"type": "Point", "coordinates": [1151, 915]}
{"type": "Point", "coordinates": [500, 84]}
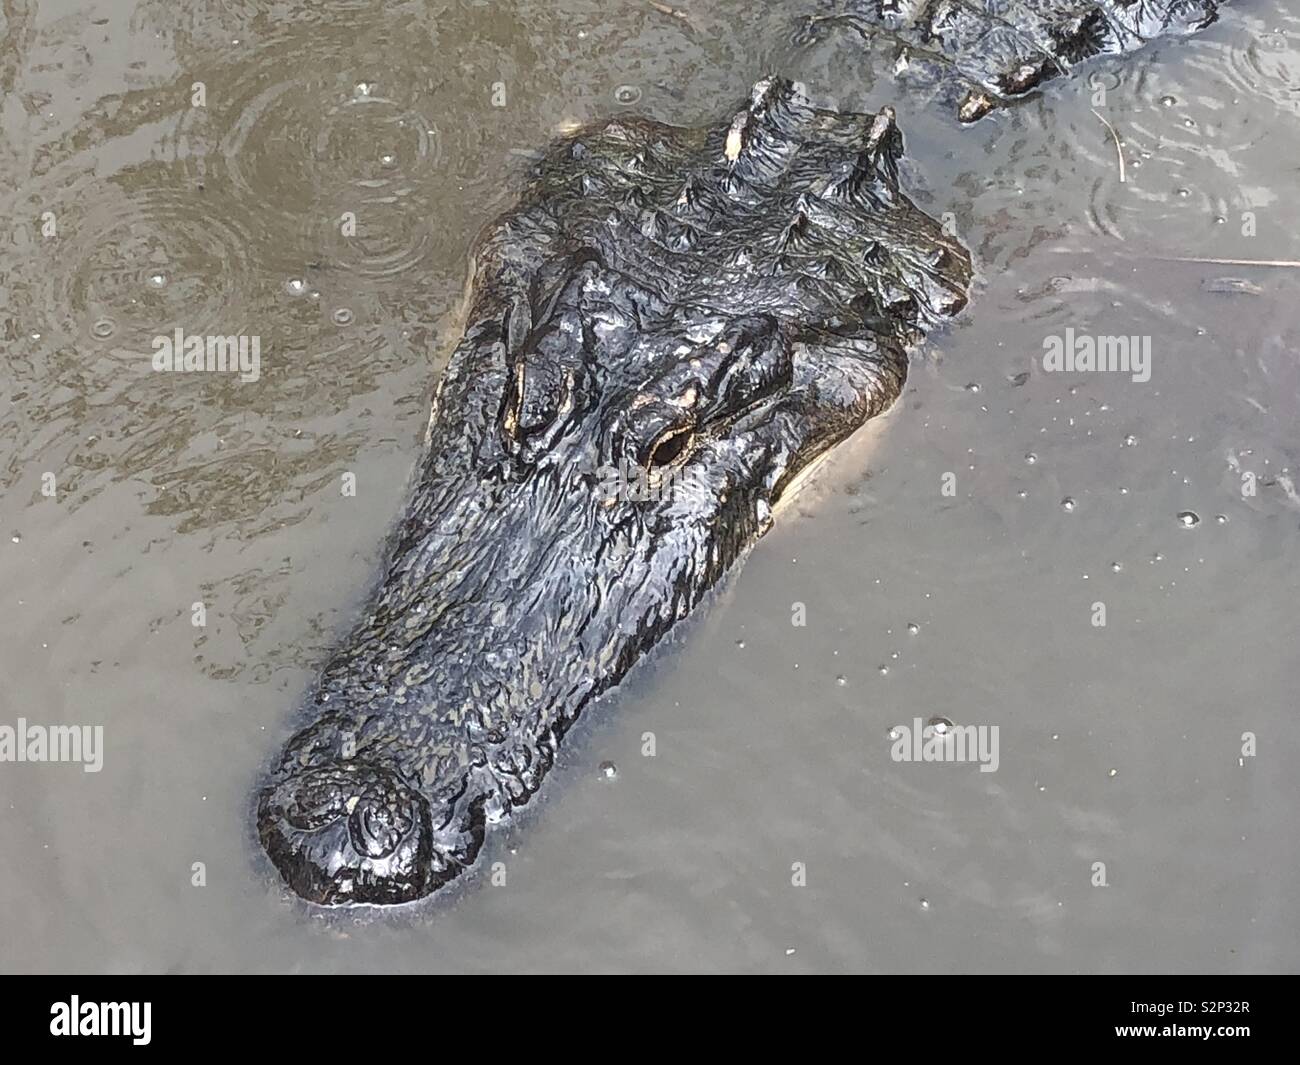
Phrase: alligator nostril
{"type": "Point", "coordinates": [313, 804]}
{"type": "Point", "coordinates": [377, 828]}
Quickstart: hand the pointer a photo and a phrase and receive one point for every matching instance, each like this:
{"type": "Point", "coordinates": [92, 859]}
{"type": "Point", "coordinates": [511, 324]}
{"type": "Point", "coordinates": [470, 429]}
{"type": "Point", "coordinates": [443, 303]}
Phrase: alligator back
{"type": "Point", "coordinates": [978, 55]}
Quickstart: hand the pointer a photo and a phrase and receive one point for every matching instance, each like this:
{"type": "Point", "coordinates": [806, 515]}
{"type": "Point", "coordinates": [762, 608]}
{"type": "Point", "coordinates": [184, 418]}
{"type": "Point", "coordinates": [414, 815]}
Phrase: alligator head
{"type": "Point", "coordinates": [668, 328]}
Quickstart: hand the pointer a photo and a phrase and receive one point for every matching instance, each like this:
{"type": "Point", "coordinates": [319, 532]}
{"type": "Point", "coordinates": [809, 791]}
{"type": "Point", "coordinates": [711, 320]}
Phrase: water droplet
{"type": "Point", "coordinates": [972, 387]}
{"type": "Point", "coordinates": [1222, 519]}
{"type": "Point", "coordinates": [740, 644]}
{"type": "Point", "coordinates": [913, 627]}
{"type": "Point", "coordinates": [627, 94]}
{"type": "Point", "coordinates": [342, 316]}
{"type": "Point", "coordinates": [1219, 220]}
{"type": "Point", "coordinates": [1130, 440]}
{"type": "Point", "coordinates": [1184, 193]}
{"type": "Point", "coordinates": [1167, 101]}
{"type": "Point", "coordinates": [608, 770]}
{"type": "Point", "coordinates": [1189, 519]}
{"type": "Point", "coordinates": [884, 670]}
{"type": "Point", "coordinates": [1031, 458]}
{"type": "Point", "coordinates": [1116, 567]}
{"type": "Point", "coordinates": [1113, 773]}
{"type": "Point", "coordinates": [158, 280]}
{"type": "Point", "coordinates": [1068, 504]}
{"type": "Point", "coordinates": [388, 159]}
{"type": "Point", "coordinates": [1157, 557]}
{"type": "Point", "coordinates": [364, 88]}
{"type": "Point", "coordinates": [941, 725]}
{"type": "Point", "coordinates": [894, 733]}
{"type": "Point", "coordinates": [925, 904]}
{"type": "Point", "coordinates": [17, 538]}
{"type": "Point", "coordinates": [841, 680]}
{"type": "Point", "coordinates": [104, 328]}
{"type": "Point", "coordinates": [295, 286]}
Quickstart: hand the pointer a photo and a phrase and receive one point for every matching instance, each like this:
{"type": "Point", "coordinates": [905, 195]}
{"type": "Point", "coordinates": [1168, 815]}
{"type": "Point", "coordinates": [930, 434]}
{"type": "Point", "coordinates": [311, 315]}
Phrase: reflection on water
{"type": "Point", "coordinates": [314, 175]}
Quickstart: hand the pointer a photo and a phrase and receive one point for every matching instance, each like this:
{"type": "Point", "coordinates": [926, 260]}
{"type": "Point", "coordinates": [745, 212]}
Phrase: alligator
{"type": "Point", "coordinates": [703, 312]}
{"type": "Point", "coordinates": [980, 55]}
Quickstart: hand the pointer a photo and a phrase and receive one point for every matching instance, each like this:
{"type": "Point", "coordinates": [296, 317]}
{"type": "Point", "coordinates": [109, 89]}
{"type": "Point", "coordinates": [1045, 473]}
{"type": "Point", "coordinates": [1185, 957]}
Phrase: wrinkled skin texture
{"type": "Point", "coordinates": [722, 305]}
{"type": "Point", "coordinates": [978, 55]}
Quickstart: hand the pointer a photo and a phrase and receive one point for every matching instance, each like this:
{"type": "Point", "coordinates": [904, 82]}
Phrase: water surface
{"type": "Point", "coordinates": [1119, 744]}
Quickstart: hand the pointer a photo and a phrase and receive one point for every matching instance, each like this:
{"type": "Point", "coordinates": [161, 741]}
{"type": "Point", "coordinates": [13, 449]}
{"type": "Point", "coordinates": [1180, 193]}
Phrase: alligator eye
{"type": "Point", "coordinates": [668, 448]}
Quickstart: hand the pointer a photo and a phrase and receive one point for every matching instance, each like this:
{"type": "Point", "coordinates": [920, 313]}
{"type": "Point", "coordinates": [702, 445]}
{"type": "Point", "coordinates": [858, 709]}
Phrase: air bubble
{"type": "Point", "coordinates": [913, 627]}
{"type": "Point", "coordinates": [1189, 519]}
{"type": "Point", "coordinates": [883, 670]}
{"type": "Point", "coordinates": [608, 770]}
{"type": "Point", "coordinates": [1116, 567]}
{"type": "Point", "coordinates": [627, 94]}
{"type": "Point", "coordinates": [104, 328]}
{"type": "Point", "coordinates": [1031, 458]}
{"type": "Point", "coordinates": [1068, 504]}
{"type": "Point", "coordinates": [295, 286]}
{"type": "Point", "coordinates": [1167, 101]}
{"type": "Point", "coordinates": [1130, 440]}
{"type": "Point", "coordinates": [941, 725]}
{"type": "Point", "coordinates": [342, 316]}
{"type": "Point", "coordinates": [972, 387]}
{"type": "Point", "coordinates": [1222, 519]}
{"type": "Point", "coordinates": [841, 680]}
{"type": "Point", "coordinates": [157, 280]}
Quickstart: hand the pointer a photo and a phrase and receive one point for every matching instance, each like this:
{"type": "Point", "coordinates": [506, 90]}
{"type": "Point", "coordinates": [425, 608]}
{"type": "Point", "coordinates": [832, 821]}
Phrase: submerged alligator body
{"type": "Point", "coordinates": [698, 311]}
{"type": "Point", "coordinates": [978, 55]}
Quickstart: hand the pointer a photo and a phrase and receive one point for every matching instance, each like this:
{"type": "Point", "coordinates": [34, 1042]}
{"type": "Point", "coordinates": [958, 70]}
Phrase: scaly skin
{"type": "Point", "coordinates": [978, 55]}
{"type": "Point", "coordinates": [722, 305]}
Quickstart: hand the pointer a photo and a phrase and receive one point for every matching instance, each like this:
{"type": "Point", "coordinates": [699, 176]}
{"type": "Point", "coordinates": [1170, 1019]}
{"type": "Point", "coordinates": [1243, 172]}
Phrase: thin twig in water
{"type": "Point", "coordinates": [1289, 264]}
{"type": "Point", "coordinates": [1119, 152]}
{"type": "Point", "coordinates": [664, 9]}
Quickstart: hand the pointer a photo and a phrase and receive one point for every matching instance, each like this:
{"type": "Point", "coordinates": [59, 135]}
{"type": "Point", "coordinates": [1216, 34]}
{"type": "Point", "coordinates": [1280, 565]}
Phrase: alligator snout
{"type": "Point", "coordinates": [352, 833]}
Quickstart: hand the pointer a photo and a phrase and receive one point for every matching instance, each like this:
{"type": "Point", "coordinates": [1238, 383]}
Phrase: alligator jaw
{"type": "Point", "coordinates": [706, 310]}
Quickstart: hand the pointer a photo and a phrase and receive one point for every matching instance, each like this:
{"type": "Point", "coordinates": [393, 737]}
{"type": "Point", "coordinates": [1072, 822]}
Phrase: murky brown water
{"type": "Point", "coordinates": [131, 211]}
